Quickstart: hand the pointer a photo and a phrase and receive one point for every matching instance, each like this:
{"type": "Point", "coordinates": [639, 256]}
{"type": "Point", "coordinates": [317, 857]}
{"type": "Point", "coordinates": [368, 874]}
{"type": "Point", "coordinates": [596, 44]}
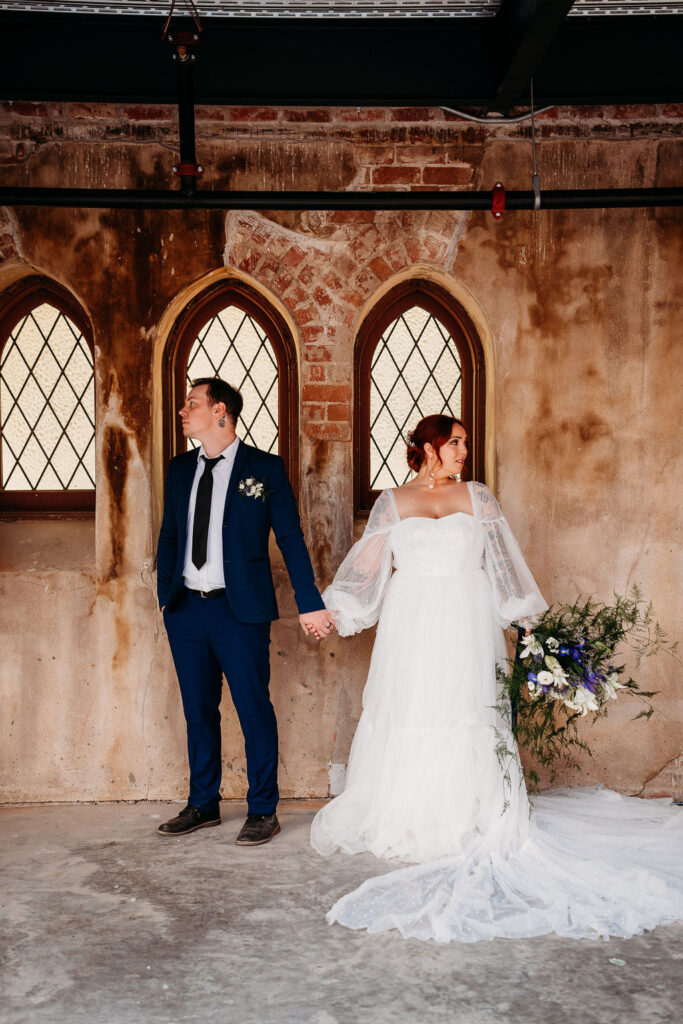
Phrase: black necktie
{"type": "Point", "coordinates": [202, 513]}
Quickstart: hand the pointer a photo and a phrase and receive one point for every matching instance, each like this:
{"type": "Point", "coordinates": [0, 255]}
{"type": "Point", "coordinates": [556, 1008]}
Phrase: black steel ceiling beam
{"type": "Point", "coordinates": [526, 29]}
{"type": "Point", "coordinates": [143, 199]}
{"type": "Point", "coordinates": [387, 62]}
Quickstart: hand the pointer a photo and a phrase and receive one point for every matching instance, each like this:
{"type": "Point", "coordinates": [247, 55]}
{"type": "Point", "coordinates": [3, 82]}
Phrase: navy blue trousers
{"type": "Point", "coordinates": [207, 642]}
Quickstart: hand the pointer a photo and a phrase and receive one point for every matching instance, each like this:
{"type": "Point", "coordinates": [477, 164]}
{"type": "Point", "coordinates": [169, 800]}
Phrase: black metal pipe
{"type": "Point", "coordinates": [142, 199]}
{"type": "Point", "coordinates": [185, 42]}
{"type": "Point", "coordinates": [188, 156]}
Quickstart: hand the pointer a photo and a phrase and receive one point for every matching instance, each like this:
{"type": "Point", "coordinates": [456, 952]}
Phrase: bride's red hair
{"type": "Point", "coordinates": [434, 430]}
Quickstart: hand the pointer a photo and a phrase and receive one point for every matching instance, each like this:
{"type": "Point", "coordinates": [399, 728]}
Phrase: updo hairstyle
{"type": "Point", "coordinates": [434, 430]}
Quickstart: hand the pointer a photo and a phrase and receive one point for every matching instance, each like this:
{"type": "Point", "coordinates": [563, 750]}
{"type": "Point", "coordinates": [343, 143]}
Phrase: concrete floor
{"type": "Point", "coordinates": [106, 922]}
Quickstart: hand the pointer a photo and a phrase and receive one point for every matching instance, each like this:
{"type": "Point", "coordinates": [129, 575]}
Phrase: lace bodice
{"type": "Point", "coordinates": [437, 547]}
{"type": "Point", "coordinates": [453, 544]}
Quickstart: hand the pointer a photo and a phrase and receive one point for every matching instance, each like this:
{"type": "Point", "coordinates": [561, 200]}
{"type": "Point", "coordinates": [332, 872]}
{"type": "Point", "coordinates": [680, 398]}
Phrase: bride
{"type": "Point", "coordinates": [439, 567]}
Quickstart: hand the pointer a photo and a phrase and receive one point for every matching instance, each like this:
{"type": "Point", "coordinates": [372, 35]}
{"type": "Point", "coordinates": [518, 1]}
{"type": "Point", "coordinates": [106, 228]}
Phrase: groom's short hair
{"type": "Point", "coordinates": [218, 390]}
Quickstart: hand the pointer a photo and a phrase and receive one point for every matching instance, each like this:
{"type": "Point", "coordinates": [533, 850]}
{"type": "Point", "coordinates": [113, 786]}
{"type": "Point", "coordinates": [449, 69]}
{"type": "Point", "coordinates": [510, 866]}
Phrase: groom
{"type": "Point", "coordinates": [216, 593]}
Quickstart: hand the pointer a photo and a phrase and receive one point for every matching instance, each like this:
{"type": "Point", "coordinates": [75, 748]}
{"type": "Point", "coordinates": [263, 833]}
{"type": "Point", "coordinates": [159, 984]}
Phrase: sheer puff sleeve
{"type": "Point", "coordinates": [516, 597]}
{"type": "Point", "coordinates": [355, 595]}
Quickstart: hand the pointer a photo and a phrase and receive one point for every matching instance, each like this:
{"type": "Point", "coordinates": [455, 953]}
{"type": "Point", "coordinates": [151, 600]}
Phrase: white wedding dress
{"type": "Point", "coordinates": [424, 782]}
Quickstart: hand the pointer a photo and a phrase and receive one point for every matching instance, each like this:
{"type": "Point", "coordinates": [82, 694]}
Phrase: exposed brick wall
{"type": "Point", "coordinates": [394, 148]}
{"type": "Point", "coordinates": [324, 282]}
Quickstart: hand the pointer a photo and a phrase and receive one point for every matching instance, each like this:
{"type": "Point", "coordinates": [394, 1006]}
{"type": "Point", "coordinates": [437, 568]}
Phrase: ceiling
{"type": "Point", "coordinates": [473, 54]}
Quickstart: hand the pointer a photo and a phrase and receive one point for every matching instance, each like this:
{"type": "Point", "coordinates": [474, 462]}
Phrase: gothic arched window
{"type": "Point", "coordinates": [47, 405]}
{"type": "Point", "coordinates": [417, 353]}
{"type": "Point", "coordinates": [230, 331]}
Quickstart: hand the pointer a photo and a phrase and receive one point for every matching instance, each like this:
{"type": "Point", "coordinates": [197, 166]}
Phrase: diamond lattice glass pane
{"type": "Point", "coordinates": [47, 430]}
{"type": "Point", "coordinates": [47, 405]}
{"type": "Point", "coordinates": [415, 372]}
{"type": "Point", "coordinates": [232, 345]}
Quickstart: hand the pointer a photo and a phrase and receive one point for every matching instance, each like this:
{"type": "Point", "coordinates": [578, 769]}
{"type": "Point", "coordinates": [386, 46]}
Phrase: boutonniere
{"type": "Point", "coordinates": [253, 488]}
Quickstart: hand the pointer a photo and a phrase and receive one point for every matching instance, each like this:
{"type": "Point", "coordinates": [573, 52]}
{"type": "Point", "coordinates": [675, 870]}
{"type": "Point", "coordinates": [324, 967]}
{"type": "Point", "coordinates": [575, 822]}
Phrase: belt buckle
{"type": "Point", "coordinates": [202, 595]}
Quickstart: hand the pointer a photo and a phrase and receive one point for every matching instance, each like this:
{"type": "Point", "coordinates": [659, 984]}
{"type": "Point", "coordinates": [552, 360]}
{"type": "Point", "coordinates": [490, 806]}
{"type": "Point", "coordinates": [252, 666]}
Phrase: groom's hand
{"type": "Point", "coordinates": [318, 624]}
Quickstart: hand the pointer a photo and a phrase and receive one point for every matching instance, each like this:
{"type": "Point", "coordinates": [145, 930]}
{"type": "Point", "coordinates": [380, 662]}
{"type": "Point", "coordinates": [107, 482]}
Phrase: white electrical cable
{"type": "Point", "coordinates": [497, 120]}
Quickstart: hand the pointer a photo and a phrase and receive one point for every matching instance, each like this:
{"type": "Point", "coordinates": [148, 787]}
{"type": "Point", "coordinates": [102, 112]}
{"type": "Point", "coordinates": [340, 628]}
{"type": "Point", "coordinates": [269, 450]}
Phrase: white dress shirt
{"type": "Point", "coordinates": [211, 575]}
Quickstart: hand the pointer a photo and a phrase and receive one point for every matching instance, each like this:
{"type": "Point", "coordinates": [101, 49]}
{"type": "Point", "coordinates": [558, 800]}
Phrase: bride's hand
{"type": "Point", "coordinates": [318, 624]}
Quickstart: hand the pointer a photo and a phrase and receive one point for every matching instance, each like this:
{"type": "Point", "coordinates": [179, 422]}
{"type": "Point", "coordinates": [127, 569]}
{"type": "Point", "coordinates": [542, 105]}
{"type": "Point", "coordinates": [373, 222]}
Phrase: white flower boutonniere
{"type": "Point", "coordinates": [253, 488]}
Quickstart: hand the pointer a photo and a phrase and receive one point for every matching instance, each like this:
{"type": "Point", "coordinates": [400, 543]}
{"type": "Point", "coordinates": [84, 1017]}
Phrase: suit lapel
{"type": "Point", "coordinates": [187, 479]}
{"type": "Point", "coordinates": [236, 475]}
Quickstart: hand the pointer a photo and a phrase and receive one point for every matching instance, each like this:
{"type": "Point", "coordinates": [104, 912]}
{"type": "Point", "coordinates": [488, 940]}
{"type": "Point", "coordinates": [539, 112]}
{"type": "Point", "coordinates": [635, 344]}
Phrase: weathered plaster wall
{"type": "Point", "coordinates": [580, 314]}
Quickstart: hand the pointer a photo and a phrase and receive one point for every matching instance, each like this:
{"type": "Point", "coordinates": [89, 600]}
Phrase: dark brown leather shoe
{"type": "Point", "coordinates": [189, 820]}
{"type": "Point", "coordinates": [258, 829]}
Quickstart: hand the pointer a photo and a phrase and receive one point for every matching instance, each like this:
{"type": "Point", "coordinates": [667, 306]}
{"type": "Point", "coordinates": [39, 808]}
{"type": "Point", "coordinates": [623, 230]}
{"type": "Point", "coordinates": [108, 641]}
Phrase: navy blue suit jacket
{"type": "Point", "coordinates": [247, 523]}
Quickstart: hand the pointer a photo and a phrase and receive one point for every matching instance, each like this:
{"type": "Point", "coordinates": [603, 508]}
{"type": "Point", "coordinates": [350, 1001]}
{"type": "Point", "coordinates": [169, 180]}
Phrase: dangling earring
{"type": "Point", "coordinates": [430, 473]}
{"type": "Point", "coordinates": [221, 422]}
{"type": "Point", "coordinates": [458, 478]}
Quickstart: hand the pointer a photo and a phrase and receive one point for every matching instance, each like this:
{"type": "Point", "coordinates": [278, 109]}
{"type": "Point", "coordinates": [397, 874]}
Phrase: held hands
{"type": "Point", "coordinates": [318, 624]}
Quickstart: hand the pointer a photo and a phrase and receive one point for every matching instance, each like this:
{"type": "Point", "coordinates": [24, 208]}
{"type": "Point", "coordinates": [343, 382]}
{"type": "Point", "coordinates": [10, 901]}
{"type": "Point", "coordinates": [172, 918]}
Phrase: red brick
{"type": "Point", "coordinates": [294, 257]}
{"type": "Point", "coordinates": [91, 111]}
{"type": "Point", "coordinates": [316, 353]}
{"type": "Point", "coordinates": [24, 108]}
{"type": "Point", "coordinates": [353, 217]}
{"type": "Point", "coordinates": [451, 175]}
{"type": "Point", "coordinates": [396, 257]}
{"type": "Point", "coordinates": [353, 114]}
{"type": "Point", "coordinates": [421, 154]}
{"type": "Point", "coordinates": [672, 110]}
{"type": "Point", "coordinates": [339, 412]}
{"type": "Point", "coordinates": [375, 156]}
{"type": "Point", "coordinates": [395, 175]}
{"type": "Point", "coordinates": [282, 282]}
{"type": "Point", "coordinates": [635, 111]}
{"type": "Point", "coordinates": [250, 262]}
{"type": "Point", "coordinates": [549, 115]}
{"type": "Point", "coordinates": [138, 112]}
{"type": "Point", "coordinates": [587, 112]}
{"type": "Point", "coordinates": [413, 249]}
{"type": "Point", "coordinates": [315, 372]}
{"type": "Point", "coordinates": [379, 267]}
{"type": "Point", "coordinates": [315, 412]}
{"type": "Point", "coordinates": [321, 296]}
{"type": "Point", "coordinates": [311, 335]}
{"type": "Point", "coordinates": [434, 247]}
{"type": "Point", "coordinates": [355, 298]}
{"type": "Point", "coordinates": [269, 267]}
{"type": "Point", "coordinates": [307, 275]}
{"type": "Point", "coordinates": [364, 243]}
{"type": "Point", "coordinates": [330, 278]}
{"type": "Point", "coordinates": [327, 431]}
{"type": "Point", "coordinates": [412, 114]}
{"type": "Point", "coordinates": [210, 113]}
{"type": "Point", "coordinates": [326, 393]}
{"type": "Point", "coordinates": [253, 114]}
{"type": "Point", "coordinates": [316, 116]}
{"type": "Point", "coordinates": [305, 314]}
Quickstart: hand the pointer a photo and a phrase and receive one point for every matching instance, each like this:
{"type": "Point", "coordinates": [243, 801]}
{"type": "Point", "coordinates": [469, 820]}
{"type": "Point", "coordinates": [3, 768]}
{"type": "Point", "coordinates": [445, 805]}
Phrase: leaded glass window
{"type": "Point", "coordinates": [47, 404]}
{"type": "Point", "coordinates": [415, 371]}
{"type": "Point", "coordinates": [234, 346]}
{"type": "Point", "coordinates": [417, 353]}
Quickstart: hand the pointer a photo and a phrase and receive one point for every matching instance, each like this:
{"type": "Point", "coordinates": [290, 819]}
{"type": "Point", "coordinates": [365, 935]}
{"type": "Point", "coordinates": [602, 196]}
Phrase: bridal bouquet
{"type": "Point", "coordinates": [567, 668]}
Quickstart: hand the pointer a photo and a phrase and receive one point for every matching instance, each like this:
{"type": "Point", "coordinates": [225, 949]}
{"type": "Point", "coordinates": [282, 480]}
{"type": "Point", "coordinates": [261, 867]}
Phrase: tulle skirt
{"type": "Point", "coordinates": [425, 785]}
